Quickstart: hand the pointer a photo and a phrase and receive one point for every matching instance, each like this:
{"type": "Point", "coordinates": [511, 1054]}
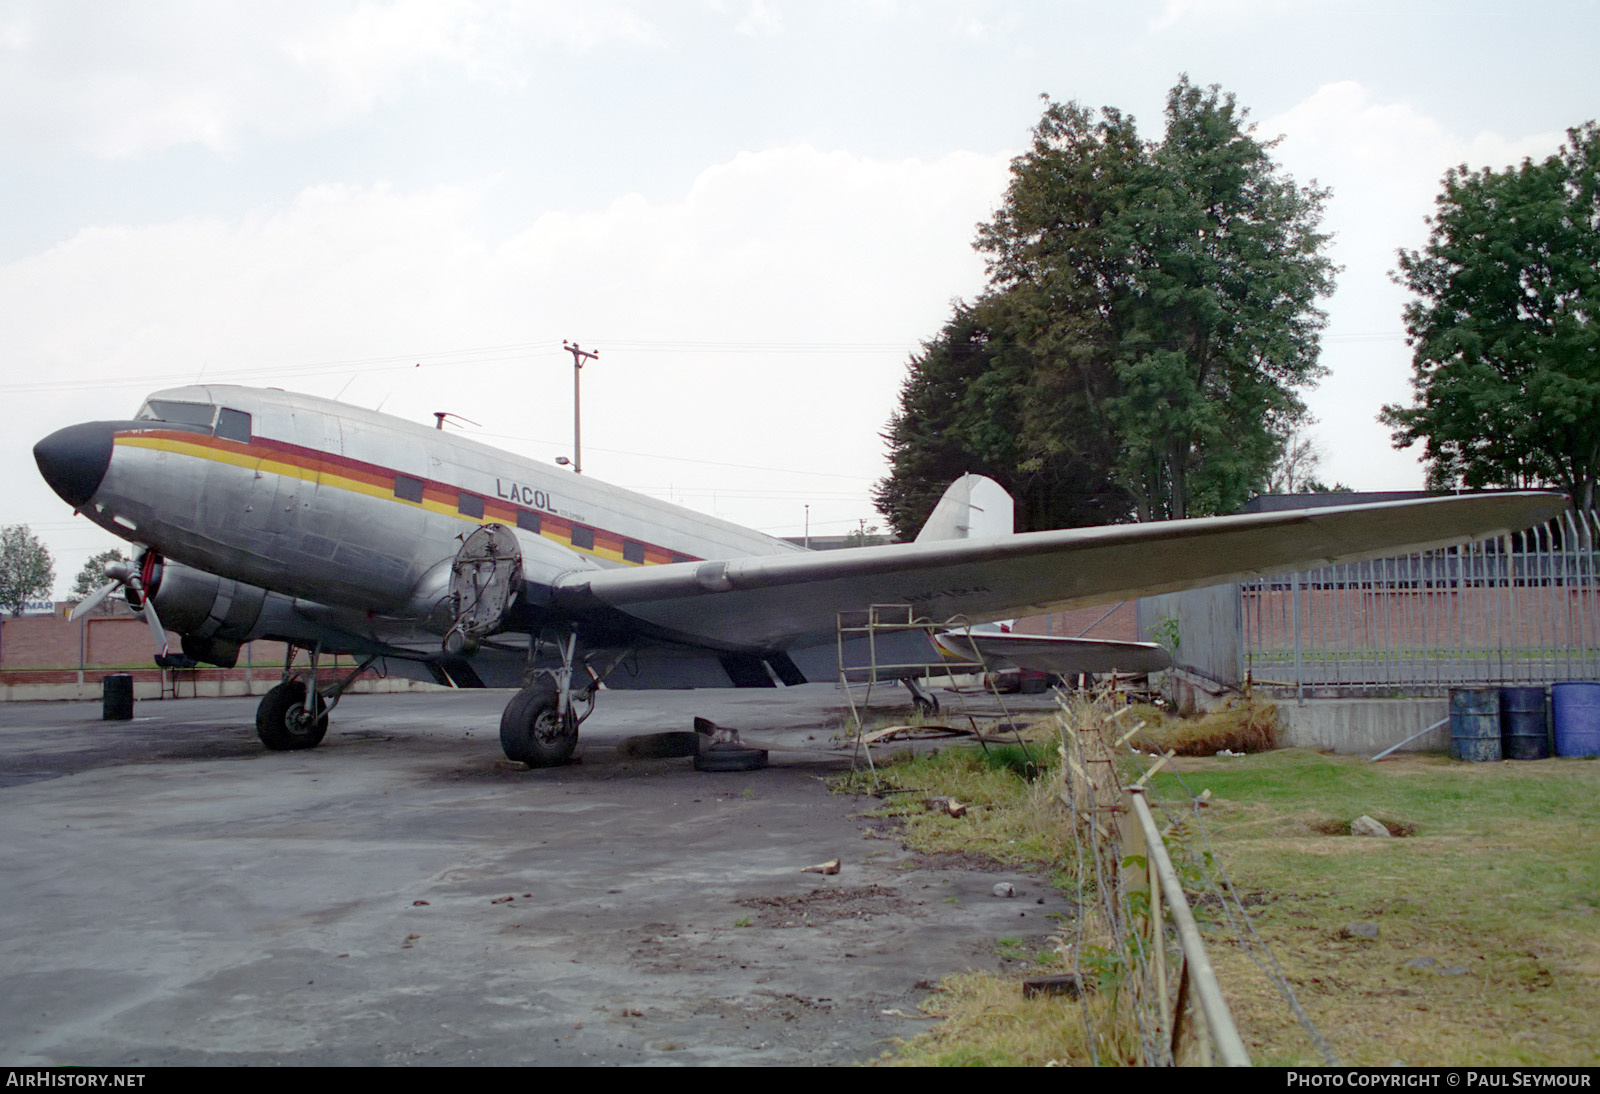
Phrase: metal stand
{"type": "Point", "coordinates": [884, 621]}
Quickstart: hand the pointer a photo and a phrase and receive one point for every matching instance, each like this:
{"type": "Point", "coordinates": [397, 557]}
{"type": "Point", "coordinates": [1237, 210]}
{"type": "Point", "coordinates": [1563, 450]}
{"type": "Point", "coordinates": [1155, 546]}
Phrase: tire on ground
{"type": "Point", "coordinates": [276, 724]}
{"type": "Point", "coordinates": [530, 730]}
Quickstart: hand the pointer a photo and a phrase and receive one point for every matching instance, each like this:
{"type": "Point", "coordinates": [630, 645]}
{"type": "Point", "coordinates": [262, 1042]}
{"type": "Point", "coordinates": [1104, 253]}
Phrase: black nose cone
{"type": "Point", "coordinates": [74, 460]}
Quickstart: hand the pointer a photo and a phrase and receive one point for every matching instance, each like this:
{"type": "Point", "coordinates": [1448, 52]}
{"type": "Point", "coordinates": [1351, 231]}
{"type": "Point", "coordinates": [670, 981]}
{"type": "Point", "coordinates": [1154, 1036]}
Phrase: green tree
{"type": "Point", "coordinates": [1159, 317]}
{"type": "Point", "coordinates": [93, 573]}
{"type": "Point", "coordinates": [1505, 327]}
{"type": "Point", "coordinates": [968, 405]}
{"type": "Point", "coordinates": [26, 569]}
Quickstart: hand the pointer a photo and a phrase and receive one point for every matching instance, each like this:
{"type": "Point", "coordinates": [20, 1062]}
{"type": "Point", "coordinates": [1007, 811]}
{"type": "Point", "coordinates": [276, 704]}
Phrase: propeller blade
{"type": "Point", "coordinates": [93, 600]}
{"type": "Point", "coordinates": [156, 628]}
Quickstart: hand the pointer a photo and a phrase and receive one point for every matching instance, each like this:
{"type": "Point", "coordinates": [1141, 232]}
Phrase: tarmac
{"type": "Point", "coordinates": [173, 894]}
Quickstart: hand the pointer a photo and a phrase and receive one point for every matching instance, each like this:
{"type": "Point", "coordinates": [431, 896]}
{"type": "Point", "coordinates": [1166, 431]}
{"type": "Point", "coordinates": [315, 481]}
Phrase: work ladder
{"type": "Point", "coordinates": [881, 626]}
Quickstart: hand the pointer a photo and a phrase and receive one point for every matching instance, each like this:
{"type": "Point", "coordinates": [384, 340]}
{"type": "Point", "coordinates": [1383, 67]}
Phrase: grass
{"type": "Point", "coordinates": [985, 1022]}
{"type": "Point", "coordinates": [1500, 877]}
{"type": "Point", "coordinates": [1012, 812]}
{"type": "Point", "coordinates": [1015, 816]}
{"type": "Point", "coordinates": [1240, 725]}
{"type": "Point", "coordinates": [1497, 881]}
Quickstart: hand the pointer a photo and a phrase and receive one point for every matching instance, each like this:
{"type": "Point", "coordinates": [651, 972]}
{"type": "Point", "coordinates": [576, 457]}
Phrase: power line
{"type": "Point", "coordinates": [472, 355]}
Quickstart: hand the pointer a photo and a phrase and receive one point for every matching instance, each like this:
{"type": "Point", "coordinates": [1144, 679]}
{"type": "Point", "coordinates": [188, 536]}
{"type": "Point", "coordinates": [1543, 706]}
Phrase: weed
{"type": "Point", "coordinates": [1240, 725]}
{"type": "Point", "coordinates": [1013, 813]}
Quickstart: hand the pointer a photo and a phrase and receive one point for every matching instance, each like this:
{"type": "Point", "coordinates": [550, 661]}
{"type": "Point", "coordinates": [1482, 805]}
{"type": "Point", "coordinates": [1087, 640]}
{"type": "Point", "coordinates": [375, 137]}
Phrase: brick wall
{"type": "Point", "coordinates": [1121, 625]}
{"type": "Point", "coordinates": [38, 647]}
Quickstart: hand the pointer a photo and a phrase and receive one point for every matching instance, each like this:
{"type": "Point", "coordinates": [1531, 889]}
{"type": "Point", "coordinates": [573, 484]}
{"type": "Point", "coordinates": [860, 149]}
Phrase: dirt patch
{"type": "Point", "coordinates": [958, 860]}
{"type": "Point", "coordinates": [1331, 827]}
{"type": "Point", "coordinates": [827, 905]}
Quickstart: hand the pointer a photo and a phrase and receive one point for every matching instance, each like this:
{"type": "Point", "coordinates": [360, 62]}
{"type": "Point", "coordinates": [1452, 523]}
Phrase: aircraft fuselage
{"type": "Point", "coordinates": [346, 507]}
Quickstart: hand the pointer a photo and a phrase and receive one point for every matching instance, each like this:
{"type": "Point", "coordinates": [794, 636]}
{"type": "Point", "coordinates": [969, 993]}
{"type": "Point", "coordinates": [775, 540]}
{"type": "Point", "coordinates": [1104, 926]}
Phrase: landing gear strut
{"type": "Point", "coordinates": [294, 715]}
{"type": "Point", "coordinates": [925, 701]}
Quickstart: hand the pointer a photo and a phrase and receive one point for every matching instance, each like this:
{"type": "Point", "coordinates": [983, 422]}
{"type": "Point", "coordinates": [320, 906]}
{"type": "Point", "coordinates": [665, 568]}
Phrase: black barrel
{"type": "Point", "coordinates": [116, 697]}
{"type": "Point", "coordinates": [1475, 724]}
{"type": "Point", "coordinates": [1524, 729]}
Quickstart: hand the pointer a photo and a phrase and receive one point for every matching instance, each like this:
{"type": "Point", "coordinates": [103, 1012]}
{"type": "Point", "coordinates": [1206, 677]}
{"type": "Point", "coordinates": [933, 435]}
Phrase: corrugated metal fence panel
{"type": "Point", "coordinates": [1521, 609]}
{"type": "Point", "coordinates": [1210, 630]}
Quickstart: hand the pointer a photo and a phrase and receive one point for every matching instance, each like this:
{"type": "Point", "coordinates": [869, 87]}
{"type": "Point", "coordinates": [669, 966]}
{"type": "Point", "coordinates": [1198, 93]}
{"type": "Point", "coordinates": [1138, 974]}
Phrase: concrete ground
{"type": "Point", "coordinates": [170, 893]}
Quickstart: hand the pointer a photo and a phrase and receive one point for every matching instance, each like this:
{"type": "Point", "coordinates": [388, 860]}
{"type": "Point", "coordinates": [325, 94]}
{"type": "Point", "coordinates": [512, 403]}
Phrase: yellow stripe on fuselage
{"type": "Point", "coordinates": [254, 462]}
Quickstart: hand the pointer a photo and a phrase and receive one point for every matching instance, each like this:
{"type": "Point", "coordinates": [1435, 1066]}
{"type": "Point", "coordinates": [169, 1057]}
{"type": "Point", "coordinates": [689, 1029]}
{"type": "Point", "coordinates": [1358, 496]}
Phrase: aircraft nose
{"type": "Point", "coordinates": [74, 460]}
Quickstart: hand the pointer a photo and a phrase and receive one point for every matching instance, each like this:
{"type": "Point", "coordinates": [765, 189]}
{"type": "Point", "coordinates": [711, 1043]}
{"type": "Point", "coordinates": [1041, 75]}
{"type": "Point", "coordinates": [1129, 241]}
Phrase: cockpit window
{"type": "Point", "coordinates": [165, 410]}
{"type": "Point", "coordinates": [233, 425]}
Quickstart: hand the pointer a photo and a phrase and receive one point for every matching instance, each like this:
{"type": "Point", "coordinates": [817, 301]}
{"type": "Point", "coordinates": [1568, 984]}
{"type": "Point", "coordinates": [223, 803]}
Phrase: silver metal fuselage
{"type": "Point", "coordinates": [357, 515]}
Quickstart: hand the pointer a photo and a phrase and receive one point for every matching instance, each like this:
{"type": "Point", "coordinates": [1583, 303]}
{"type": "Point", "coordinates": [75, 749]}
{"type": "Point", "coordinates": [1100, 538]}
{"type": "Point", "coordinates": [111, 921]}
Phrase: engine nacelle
{"type": "Point", "coordinates": [212, 614]}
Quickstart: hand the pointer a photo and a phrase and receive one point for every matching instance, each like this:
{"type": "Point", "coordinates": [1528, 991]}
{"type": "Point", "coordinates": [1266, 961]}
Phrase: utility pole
{"type": "Point", "coordinates": [579, 355]}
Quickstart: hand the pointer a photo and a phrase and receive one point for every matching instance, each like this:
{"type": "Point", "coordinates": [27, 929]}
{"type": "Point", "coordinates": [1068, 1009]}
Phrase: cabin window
{"type": "Point", "coordinates": [233, 425]}
{"type": "Point", "coordinates": [166, 410]}
{"type": "Point", "coordinates": [469, 505]}
{"type": "Point", "coordinates": [407, 488]}
{"type": "Point", "coordinates": [632, 552]}
{"type": "Point", "coordinates": [528, 520]}
{"type": "Point", "coordinates": [582, 537]}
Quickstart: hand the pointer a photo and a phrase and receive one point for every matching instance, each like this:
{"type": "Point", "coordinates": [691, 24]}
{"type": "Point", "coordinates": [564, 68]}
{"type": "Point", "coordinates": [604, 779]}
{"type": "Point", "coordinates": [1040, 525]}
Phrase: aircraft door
{"type": "Point", "coordinates": [484, 581]}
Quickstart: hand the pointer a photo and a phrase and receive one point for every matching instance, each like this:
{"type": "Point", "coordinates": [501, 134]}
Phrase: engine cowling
{"type": "Point", "coordinates": [213, 615]}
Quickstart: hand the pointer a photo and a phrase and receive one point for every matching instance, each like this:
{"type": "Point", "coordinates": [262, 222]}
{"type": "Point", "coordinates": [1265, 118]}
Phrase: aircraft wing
{"type": "Point", "coordinates": [779, 601]}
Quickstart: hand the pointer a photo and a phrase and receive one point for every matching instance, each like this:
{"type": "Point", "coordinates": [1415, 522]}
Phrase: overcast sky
{"type": "Point", "coordinates": [755, 211]}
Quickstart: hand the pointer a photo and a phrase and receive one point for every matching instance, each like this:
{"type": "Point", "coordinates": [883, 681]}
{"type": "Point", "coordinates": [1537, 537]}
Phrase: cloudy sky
{"type": "Point", "coordinates": [754, 210]}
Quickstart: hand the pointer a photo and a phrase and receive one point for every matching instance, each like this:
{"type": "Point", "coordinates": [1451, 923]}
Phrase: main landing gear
{"type": "Point", "coordinates": [294, 715]}
{"type": "Point", "coordinates": [540, 725]}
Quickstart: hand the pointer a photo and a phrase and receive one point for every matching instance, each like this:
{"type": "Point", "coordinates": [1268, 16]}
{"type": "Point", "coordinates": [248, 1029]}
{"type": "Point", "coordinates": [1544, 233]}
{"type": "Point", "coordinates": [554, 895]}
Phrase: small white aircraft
{"type": "Point", "coordinates": [265, 514]}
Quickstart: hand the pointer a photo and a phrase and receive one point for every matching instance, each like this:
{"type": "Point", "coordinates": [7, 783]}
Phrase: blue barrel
{"type": "Point", "coordinates": [1475, 724]}
{"type": "Point", "coordinates": [1524, 729]}
{"type": "Point", "coordinates": [1576, 710]}
{"type": "Point", "coordinates": [116, 697]}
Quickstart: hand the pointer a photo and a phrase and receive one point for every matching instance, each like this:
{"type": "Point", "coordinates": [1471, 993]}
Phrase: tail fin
{"type": "Point", "coordinates": [973, 507]}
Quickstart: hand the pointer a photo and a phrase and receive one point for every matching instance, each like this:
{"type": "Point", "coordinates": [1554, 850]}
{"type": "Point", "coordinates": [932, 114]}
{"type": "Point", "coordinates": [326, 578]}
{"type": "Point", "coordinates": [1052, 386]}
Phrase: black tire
{"type": "Point", "coordinates": [531, 731]}
{"type": "Point", "coordinates": [730, 759]}
{"type": "Point", "coordinates": [280, 723]}
{"type": "Point", "coordinates": [927, 707]}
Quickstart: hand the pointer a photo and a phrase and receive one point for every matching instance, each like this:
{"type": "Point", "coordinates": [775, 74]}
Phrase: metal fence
{"type": "Point", "coordinates": [1519, 609]}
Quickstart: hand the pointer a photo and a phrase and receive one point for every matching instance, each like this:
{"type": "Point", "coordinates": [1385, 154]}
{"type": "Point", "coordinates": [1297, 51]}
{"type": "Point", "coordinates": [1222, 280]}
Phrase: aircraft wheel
{"type": "Point", "coordinates": [925, 705]}
{"type": "Point", "coordinates": [282, 722]}
{"type": "Point", "coordinates": [532, 732]}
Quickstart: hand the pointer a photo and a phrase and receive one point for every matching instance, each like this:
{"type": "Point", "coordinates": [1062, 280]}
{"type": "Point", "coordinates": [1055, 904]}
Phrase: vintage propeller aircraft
{"type": "Point", "coordinates": [334, 529]}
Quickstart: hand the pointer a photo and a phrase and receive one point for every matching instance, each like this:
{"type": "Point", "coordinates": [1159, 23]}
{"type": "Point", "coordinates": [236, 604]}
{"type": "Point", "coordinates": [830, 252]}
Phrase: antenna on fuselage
{"type": "Point", "coordinates": [440, 415]}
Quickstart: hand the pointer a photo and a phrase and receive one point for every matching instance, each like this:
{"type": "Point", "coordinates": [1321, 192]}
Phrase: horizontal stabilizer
{"type": "Point", "coordinates": [1060, 655]}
